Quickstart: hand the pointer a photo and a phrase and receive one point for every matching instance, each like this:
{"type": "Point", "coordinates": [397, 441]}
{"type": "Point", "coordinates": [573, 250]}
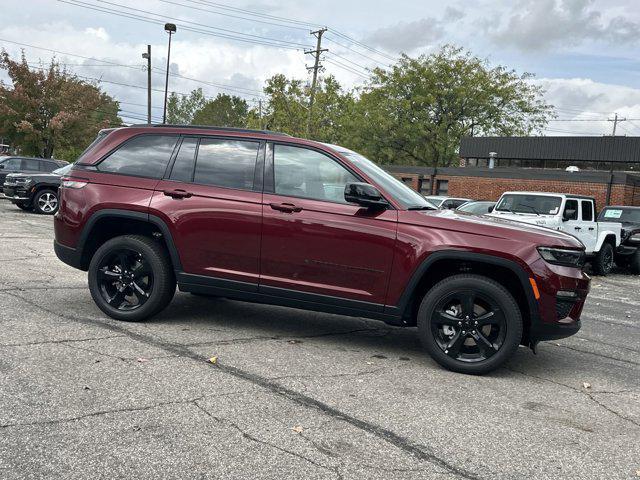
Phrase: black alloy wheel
{"type": "Point", "coordinates": [131, 277]}
{"type": "Point", "coordinates": [470, 323]}
{"type": "Point", "coordinates": [125, 279]}
{"type": "Point", "coordinates": [468, 326]}
{"type": "Point", "coordinates": [46, 202]}
{"type": "Point", "coordinates": [604, 260]}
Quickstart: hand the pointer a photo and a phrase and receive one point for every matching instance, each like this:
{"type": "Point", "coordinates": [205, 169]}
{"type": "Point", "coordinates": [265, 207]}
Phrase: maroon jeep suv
{"type": "Point", "coordinates": [265, 217]}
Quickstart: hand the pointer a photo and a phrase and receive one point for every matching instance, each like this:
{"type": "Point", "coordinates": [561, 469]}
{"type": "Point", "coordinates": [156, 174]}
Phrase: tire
{"type": "Point", "coordinates": [23, 206]}
{"type": "Point", "coordinates": [131, 278]}
{"type": "Point", "coordinates": [494, 307]}
{"type": "Point", "coordinates": [634, 264]}
{"type": "Point", "coordinates": [603, 262]}
{"type": "Point", "coordinates": [46, 202]}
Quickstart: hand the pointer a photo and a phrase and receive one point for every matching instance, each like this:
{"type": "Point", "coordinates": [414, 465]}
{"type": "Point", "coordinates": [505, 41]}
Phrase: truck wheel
{"type": "Point", "coordinates": [603, 262]}
{"type": "Point", "coordinates": [131, 278]}
{"type": "Point", "coordinates": [469, 324]}
{"type": "Point", "coordinates": [634, 264]}
{"type": "Point", "coordinates": [46, 202]}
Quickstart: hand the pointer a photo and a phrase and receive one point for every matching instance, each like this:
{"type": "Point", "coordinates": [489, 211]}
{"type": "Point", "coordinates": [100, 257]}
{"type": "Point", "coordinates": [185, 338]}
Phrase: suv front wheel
{"type": "Point", "coordinates": [469, 324]}
{"type": "Point", "coordinates": [131, 278]}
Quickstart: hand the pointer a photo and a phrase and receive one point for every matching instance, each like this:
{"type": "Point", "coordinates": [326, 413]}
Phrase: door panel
{"type": "Point", "coordinates": [216, 230]}
{"type": "Point", "coordinates": [327, 248]}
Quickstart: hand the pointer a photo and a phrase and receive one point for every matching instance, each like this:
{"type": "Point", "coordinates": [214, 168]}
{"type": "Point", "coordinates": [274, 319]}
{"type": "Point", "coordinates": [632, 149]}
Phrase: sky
{"type": "Point", "coordinates": [584, 53]}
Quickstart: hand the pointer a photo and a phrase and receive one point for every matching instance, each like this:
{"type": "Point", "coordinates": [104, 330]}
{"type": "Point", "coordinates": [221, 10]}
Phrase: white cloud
{"type": "Point", "coordinates": [99, 32]}
{"type": "Point", "coordinates": [592, 103]}
{"type": "Point", "coordinates": [542, 24]}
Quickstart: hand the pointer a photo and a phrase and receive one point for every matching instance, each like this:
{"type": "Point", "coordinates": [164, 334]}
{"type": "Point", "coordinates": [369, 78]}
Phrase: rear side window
{"type": "Point", "coordinates": [48, 166]}
{"type": "Point", "coordinates": [226, 163]}
{"type": "Point", "coordinates": [30, 164]}
{"type": "Point", "coordinates": [142, 156]}
{"type": "Point", "coordinates": [182, 170]}
{"type": "Point", "coordinates": [587, 211]}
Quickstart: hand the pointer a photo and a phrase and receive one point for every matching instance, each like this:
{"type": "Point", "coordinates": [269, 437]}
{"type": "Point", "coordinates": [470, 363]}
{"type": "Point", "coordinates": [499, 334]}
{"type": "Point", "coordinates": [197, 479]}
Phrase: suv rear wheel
{"type": "Point", "coordinates": [131, 278]}
{"type": "Point", "coordinates": [469, 324]}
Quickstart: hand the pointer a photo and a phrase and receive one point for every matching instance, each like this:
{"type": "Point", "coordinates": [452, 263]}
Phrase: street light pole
{"type": "Point", "coordinates": [170, 28]}
{"type": "Point", "coordinates": [148, 57]}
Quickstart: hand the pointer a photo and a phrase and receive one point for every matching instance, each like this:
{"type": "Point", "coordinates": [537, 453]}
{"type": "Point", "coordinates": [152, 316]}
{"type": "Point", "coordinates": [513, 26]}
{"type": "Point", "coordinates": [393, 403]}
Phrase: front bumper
{"type": "Point", "coordinates": [563, 292]}
{"type": "Point", "coordinates": [17, 193]}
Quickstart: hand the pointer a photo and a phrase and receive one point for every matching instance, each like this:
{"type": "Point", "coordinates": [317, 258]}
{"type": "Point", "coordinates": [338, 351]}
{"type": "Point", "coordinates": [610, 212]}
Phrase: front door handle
{"type": "Point", "coordinates": [178, 193]}
{"type": "Point", "coordinates": [578, 228]}
{"type": "Point", "coordinates": [286, 207]}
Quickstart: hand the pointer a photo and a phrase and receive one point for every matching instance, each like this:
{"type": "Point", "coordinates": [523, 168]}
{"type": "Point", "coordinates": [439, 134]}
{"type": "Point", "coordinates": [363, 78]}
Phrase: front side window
{"type": "Point", "coordinates": [300, 172]}
{"type": "Point", "coordinates": [12, 164]}
{"type": "Point", "coordinates": [571, 210]}
{"type": "Point", "coordinates": [142, 156]}
{"type": "Point", "coordinates": [587, 211]}
{"type": "Point", "coordinates": [226, 163]}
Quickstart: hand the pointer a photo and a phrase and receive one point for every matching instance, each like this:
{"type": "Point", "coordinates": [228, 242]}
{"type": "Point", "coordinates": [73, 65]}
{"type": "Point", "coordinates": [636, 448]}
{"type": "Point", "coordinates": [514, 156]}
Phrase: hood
{"type": "Point", "coordinates": [488, 226]}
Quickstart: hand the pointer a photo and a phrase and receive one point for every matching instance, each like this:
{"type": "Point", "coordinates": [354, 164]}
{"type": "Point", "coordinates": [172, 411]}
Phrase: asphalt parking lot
{"type": "Point", "coordinates": [293, 394]}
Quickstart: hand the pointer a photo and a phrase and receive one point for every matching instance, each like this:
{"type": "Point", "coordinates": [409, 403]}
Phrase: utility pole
{"type": "Point", "coordinates": [148, 57]}
{"type": "Point", "coordinates": [615, 121]}
{"type": "Point", "coordinates": [260, 112]}
{"type": "Point", "coordinates": [170, 28]}
{"type": "Point", "coordinates": [316, 66]}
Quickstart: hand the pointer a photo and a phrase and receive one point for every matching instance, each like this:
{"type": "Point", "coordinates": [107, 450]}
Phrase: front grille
{"type": "Point", "coordinates": [563, 307]}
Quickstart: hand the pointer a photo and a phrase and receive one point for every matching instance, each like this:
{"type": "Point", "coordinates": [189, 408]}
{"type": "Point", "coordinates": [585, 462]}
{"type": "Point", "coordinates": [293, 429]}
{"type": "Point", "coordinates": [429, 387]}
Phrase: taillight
{"type": "Point", "coordinates": [73, 183]}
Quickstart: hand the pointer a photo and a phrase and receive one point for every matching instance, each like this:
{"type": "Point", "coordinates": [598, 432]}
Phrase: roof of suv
{"type": "Point", "coordinates": [210, 127]}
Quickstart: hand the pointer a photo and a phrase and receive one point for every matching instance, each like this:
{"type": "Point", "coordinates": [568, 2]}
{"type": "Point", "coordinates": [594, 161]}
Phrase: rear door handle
{"type": "Point", "coordinates": [286, 207]}
{"type": "Point", "coordinates": [591, 228]}
{"type": "Point", "coordinates": [578, 228]}
{"type": "Point", "coordinates": [177, 193]}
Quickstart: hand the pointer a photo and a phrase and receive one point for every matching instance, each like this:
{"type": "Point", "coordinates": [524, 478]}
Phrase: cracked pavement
{"type": "Point", "coordinates": [293, 394]}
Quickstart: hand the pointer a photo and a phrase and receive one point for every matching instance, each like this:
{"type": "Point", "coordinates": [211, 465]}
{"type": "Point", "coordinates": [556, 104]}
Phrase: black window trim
{"type": "Point", "coordinates": [94, 167]}
{"type": "Point", "coordinates": [269, 175]}
{"type": "Point", "coordinates": [258, 169]}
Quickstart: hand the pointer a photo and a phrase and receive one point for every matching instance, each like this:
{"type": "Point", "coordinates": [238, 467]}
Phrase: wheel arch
{"type": "Point", "coordinates": [109, 223]}
{"type": "Point", "coordinates": [442, 264]}
{"type": "Point", "coordinates": [606, 237]}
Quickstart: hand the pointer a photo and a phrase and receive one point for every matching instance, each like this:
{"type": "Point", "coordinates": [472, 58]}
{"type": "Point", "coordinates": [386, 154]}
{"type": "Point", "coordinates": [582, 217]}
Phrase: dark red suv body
{"type": "Point", "coordinates": [268, 218]}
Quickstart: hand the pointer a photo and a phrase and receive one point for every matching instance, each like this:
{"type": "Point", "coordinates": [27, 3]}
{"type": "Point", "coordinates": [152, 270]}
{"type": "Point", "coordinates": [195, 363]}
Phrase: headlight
{"type": "Point", "coordinates": [23, 180]}
{"type": "Point", "coordinates": [563, 256]}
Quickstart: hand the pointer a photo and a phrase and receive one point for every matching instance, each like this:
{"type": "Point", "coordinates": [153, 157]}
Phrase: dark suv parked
{"type": "Point", "coordinates": [37, 191]}
{"type": "Point", "coordinates": [628, 253]}
{"type": "Point", "coordinates": [27, 165]}
{"type": "Point", "coordinates": [268, 218]}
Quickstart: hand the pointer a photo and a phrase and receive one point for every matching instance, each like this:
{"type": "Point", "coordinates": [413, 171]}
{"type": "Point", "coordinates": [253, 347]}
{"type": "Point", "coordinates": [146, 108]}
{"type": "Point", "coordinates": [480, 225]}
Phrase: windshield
{"type": "Point", "coordinates": [524, 203]}
{"type": "Point", "coordinates": [630, 215]}
{"type": "Point", "coordinates": [408, 197]}
{"type": "Point", "coordinates": [63, 170]}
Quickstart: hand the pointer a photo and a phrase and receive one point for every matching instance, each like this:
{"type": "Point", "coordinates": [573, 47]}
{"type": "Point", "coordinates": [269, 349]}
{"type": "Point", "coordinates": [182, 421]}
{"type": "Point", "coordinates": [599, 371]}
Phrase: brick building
{"type": "Point", "coordinates": [607, 168]}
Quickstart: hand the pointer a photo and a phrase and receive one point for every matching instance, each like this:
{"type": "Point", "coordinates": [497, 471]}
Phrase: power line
{"type": "Point", "coordinates": [259, 14]}
{"type": "Point", "coordinates": [233, 35]}
{"type": "Point", "coordinates": [345, 67]}
{"type": "Point", "coordinates": [363, 45]}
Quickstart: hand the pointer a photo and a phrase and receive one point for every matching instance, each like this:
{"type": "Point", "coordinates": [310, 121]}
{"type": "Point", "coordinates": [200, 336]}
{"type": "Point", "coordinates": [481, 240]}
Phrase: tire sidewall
{"type": "Point", "coordinates": [600, 267]}
{"type": "Point", "coordinates": [36, 205]}
{"type": "Point", "coordinates": [489, 288]}
{"type": "Point", "coordinates": [155, 301]}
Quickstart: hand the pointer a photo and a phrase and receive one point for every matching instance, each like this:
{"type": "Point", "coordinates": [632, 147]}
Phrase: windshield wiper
{"type": "Point", "coordinates": [421, 207]}
{"type": "Point", "coordinates": [531, 207]}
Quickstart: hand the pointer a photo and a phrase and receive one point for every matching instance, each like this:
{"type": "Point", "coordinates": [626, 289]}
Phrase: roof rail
{"type": "Point", "coordinates": [211, 127]}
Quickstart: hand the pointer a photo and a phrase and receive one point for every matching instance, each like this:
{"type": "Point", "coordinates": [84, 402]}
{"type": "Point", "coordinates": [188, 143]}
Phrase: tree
{"type": "Point", "coordinates": [46, 111]}
{"type": "Point", "coordinates": [182, 108]}
{"type": "Point", "coordinates": [417, 112]}
{"type": "Point", "coordinates": [223, 111]}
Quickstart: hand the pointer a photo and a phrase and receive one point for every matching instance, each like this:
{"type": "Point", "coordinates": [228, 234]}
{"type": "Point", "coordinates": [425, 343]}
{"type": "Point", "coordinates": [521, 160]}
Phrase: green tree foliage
{"type": "Point", "coordinates": [417, 111]}
{"type": "Point", "coordinates": [223, 111]}
{"type": "Point", "coordinates": [286, 108]}
{"type": "Point", "coordinates": [46, 112]}
{"type": "Point", "coordinates": [182, 108]}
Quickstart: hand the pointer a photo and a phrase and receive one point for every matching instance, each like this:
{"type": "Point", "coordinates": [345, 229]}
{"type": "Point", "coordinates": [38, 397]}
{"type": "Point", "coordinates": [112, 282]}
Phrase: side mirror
{"type": "Point", "coordinates": [490, 209]}
{"type": "Point", "coordinates": [568, 214]}
{"type": "Point", "coordinates": [364, 195]}
{"type": "Point", "coordinates": [1, 165]}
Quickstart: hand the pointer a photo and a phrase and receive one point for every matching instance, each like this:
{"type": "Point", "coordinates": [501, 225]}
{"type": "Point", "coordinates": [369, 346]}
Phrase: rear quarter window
{"type": "Point", "coordinates": [141, 156]}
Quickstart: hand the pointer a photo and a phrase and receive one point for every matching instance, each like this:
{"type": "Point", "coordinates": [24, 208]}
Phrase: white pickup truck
{"type": "Point", "coordinates": [573, 214]}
